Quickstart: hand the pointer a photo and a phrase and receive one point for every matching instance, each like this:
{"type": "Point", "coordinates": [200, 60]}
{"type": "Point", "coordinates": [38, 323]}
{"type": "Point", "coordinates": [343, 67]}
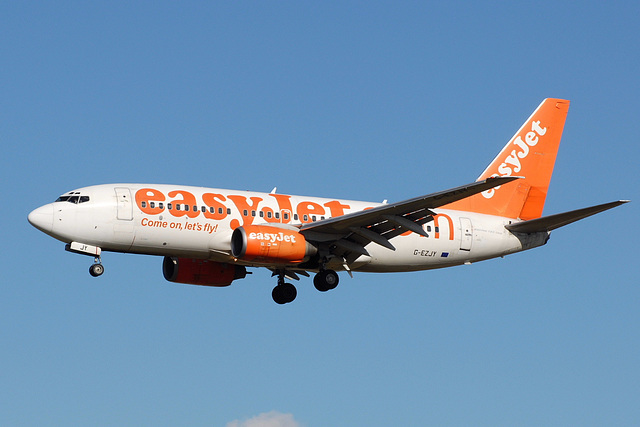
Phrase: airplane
{"type": "Point", "coordinates": [210, 236]}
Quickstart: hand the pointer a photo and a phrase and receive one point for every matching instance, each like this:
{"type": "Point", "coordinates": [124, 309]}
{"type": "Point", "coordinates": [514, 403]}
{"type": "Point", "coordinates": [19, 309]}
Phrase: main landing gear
{"type": "Point", "coordinates": [326, 280]}
{"type": "Point", "coordinates": [285, 293]}
{"type": "Point", "coordinates": [96, 269]}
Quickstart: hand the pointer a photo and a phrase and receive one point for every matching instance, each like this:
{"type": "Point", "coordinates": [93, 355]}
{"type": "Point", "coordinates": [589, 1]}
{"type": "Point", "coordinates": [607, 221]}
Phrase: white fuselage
{"type": "Point", "coordinates": [198, 222]}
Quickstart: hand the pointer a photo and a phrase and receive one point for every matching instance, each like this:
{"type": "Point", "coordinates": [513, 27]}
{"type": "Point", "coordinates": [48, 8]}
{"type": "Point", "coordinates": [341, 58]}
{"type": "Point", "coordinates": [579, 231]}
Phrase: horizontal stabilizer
{"type": "Point", "coordinates": [551, 222]}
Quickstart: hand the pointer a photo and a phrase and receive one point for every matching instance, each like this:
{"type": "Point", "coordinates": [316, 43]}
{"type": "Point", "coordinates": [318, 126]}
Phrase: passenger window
{"type": "Point", "coordinates": [228, 211]}
{"type": "Point", "coordinates": [253, 213]}
{"type": "Point", "coordinates": [245, 213]}
{"type": "Point", "coordinates": [161, 205]}
{"type": "Point", "coordinates": [277, 215]}
{"type": "Point", "coordinates": [261, 214]}
{"type": "Point", "coordinates": [269, 215]}
{"type": "Point", "coordinates": [152, 204]}
{"type": "Point", "coordinates": [177, 206]}
{"type": "Point", "coordinates": [286, 216]}
{"type": "Point", "coordinates": [169, 206]}
{"type": "Point", "coordinates": [143, 204]}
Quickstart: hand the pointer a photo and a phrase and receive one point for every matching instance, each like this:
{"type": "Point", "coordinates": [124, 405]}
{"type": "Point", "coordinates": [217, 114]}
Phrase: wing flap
{"type": "Point", "coordinates": [372, 236]}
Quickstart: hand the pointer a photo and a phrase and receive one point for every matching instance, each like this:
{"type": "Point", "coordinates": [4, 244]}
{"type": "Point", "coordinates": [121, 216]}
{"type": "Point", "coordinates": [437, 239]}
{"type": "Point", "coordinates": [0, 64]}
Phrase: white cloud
{"type": "Point", "coordinates": [267, 419]}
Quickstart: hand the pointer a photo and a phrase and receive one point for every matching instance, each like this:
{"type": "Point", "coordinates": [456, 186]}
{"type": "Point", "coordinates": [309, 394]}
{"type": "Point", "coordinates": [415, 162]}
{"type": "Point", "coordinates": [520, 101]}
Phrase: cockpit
{"type": "Point", "coordinates": [73, 197]}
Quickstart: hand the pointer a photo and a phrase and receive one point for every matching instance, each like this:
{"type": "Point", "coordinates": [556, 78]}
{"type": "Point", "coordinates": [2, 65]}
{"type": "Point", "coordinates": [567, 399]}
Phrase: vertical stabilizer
{"type": "Point", "coordinates": [530, 154]}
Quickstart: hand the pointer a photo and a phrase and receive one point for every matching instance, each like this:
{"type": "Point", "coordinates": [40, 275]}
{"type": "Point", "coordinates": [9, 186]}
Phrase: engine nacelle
{"type": "Point", "coordinates": [269, 244]}
{"type": "Point", "coordinates": [201, 272]}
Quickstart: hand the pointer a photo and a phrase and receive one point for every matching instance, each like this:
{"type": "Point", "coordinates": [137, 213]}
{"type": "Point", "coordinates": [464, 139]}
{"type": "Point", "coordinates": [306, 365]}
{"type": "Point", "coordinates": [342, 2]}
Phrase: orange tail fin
{"type": "Point", "coordinates": [531, 153]}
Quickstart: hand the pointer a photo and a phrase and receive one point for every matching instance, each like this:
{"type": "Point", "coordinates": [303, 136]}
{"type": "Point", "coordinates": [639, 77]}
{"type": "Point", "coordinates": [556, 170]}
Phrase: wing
{"type": "Point", "coordinates": [347, 235]}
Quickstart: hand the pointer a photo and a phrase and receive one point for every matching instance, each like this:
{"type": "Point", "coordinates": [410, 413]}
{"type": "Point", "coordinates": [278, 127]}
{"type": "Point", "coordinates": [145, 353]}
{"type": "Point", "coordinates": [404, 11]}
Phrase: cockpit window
{"type": "Point", "coordinates": [74, 198]}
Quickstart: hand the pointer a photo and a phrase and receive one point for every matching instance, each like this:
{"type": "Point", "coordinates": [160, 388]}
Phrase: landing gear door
{"type": "Point", "coordinates": [125, 206]}
{"type": "Point", "coordinates": [466, 234]}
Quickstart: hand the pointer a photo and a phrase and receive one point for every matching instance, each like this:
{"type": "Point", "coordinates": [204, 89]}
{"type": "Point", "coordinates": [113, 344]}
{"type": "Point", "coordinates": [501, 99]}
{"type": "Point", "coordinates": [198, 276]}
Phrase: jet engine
{"type": "Point", "coordinates": [269, 244]}
{"type": "Point", "coordinates": [201, 272]}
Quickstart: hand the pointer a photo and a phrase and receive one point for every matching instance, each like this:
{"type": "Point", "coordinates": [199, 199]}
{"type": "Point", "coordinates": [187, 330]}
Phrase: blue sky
{"type": "Point", "coordinates": [353, 100]}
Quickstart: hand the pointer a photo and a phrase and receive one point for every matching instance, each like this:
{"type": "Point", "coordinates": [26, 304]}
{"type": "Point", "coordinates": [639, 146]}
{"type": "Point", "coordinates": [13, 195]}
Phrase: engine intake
{"type": "Point", "coordinates": [268, 244]}
{"type": "Point", "coordinates": [201, 272]}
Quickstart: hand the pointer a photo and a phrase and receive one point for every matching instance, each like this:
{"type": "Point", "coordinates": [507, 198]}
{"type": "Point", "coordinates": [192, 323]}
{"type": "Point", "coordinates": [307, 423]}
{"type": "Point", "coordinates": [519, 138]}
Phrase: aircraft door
{"type": "Point", "coordinates": [466, 234]}
{"type": "Point", "coordinates": [125, 207]}
{"type": "Point", "coordinates": [123, 232]}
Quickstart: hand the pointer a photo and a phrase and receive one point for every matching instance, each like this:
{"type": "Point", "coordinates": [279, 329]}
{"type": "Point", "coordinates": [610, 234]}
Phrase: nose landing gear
{"type": "Point", "coordinates": [97, 268]}
{"type": "Point", "coordinates": [84, 249]}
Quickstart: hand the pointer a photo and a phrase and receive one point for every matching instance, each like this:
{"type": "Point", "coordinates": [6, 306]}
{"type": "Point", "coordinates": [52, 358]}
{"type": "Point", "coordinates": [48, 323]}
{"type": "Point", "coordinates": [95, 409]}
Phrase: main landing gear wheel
{"type": "Point", "coordinates": [96, 270]}
{"type": "Point", "coordinates": [326, 280]}
{"type": "Point", "coordinates": [284, 293]}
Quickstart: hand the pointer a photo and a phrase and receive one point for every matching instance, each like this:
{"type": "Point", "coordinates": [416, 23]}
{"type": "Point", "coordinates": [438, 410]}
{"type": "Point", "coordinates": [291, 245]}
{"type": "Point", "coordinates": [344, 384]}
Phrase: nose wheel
{"type": "Point", "coordinates": [96, 269]}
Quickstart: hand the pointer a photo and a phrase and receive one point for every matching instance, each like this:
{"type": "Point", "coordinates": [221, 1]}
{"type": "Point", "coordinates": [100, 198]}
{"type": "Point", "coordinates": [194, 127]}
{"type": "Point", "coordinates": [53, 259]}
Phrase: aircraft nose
{"type": "Point", "coordinates": [42, 218]}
